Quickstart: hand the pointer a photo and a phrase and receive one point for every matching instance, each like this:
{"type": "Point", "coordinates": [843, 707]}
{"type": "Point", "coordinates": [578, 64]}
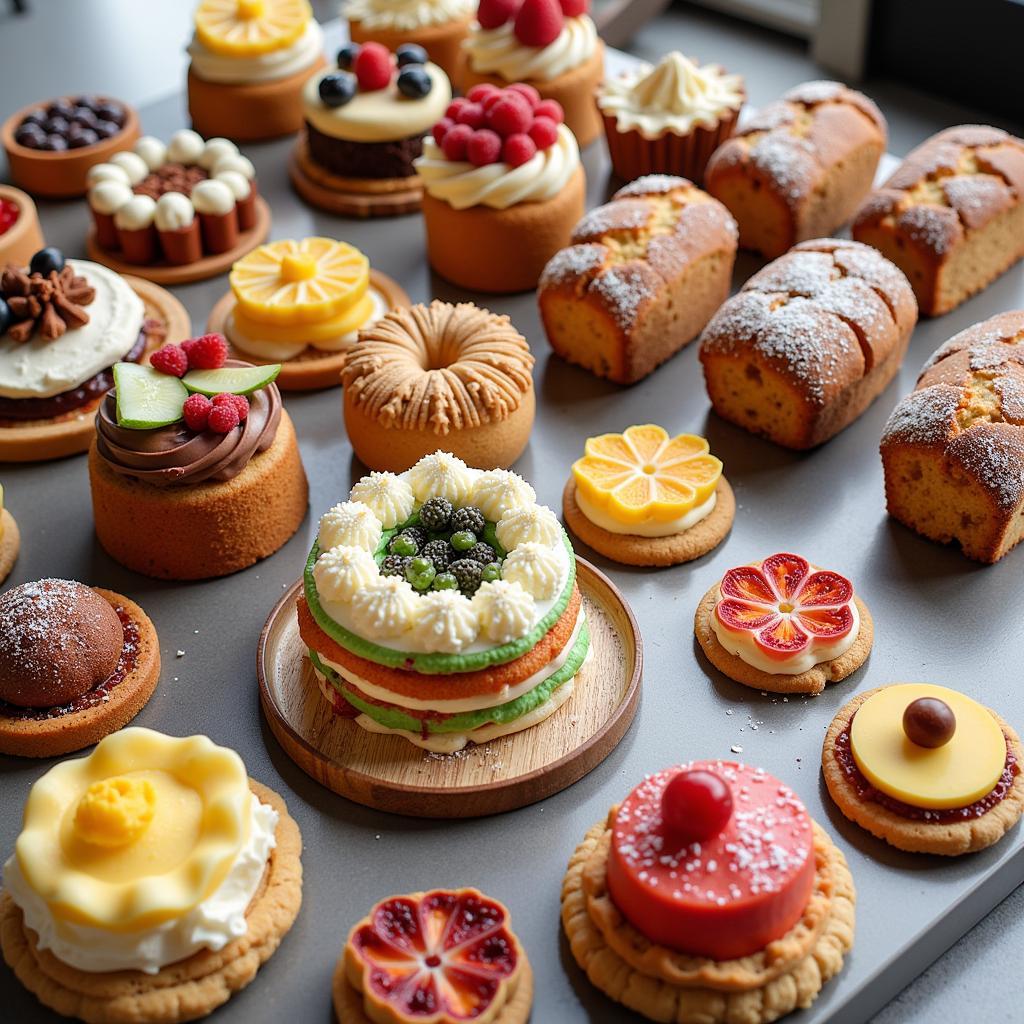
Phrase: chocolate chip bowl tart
{"type": "Point", "coordinates": [195, 470]}
{"type": "Point", "coordinates": [63, 324]}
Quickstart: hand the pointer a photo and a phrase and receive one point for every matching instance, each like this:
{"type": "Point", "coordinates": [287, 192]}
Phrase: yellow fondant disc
{"type": "Point", "coordinates": [954, 775]}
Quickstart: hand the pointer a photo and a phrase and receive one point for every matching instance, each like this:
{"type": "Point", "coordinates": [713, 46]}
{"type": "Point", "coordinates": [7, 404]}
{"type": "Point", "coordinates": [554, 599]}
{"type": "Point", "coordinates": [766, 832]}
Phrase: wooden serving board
{"type": "Point", "coordinates": [391, 774]}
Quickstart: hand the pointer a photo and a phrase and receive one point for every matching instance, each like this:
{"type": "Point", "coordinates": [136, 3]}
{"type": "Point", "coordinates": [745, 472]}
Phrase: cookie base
{"type": "Point", "coordinates": [948, 839]}
{"type": "Point", "coordinates": [184, 991]}
{"type": "Point", "coordinates": [814, 680]}
{"type": "Point", "coordinates": [748, 990]}
{"type": "Point", "coordinates": [10, 544]}
{"type": "Point", "coordinates": [631, 549]}
{"type": "Point", "coordinates": [50, 737]}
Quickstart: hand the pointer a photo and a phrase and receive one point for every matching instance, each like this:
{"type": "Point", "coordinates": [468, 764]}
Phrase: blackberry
{"type": "Point", "coordinates": [468, 518]}
{"type": "Point", "coordinates": [435, 514]}
{"type": "Point", "coordinates": [468, 573]}
{"type": "Point", "coordinates": [394, 565]}
{"type": "Point", "coordinates": [440, 553]}
{"type": "Point", "coordinates": [418, 535]}
{"type": "Point", "coordinates": [482, 553]}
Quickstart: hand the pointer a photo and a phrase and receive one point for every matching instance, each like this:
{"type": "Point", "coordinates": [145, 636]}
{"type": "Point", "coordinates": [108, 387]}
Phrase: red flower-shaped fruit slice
{"type": "Point", "coordinates": [785, 605]}
{"type": "Point", "coordinates": [441, 957]}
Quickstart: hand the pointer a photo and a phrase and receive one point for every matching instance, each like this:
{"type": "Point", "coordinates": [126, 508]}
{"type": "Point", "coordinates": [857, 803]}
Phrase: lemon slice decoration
{"type": "Point", "coordinates": [301, 282]}
{"type": "Point", "coordinates": [247, 28]}
{"type": "Point", "coordinates": [643, 475]}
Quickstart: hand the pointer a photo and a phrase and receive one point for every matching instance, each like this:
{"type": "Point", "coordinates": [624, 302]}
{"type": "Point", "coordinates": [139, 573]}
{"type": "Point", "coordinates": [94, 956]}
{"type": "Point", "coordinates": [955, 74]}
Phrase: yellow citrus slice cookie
{"type": "Point", "coordinates": [247, 28]}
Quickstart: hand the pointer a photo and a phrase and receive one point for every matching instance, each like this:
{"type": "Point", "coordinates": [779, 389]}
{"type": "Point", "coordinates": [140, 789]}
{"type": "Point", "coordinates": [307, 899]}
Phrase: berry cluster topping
{"type": "Point", "coordinates": [490, 125]}
{"type": "Point", "coordinates": [46, 299]}
{"type": "Point", "coordinates": [9, 214]}
{"type": "Point", "coordinates": [70, 124]}
{"type": "Point", "coordinates": [371, 67]}
{"type": "Point", "coordinates": [534, 22]}
{"type": "Point", "coordinates": [210, 352]}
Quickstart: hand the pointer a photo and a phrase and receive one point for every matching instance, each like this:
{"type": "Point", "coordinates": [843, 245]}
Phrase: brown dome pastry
{"type": "Point", "coordinates": [76, 663]}
{"type": "Point", "coordinates": [439, 376]}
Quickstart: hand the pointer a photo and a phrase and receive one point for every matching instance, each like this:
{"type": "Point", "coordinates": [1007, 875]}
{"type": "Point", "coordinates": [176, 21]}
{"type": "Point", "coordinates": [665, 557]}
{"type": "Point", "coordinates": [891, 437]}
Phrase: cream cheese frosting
{"type": "Point", "coordinates": [447, 621]}
{"type": "Point", "coordinates": [536, 568]}
{"type": "Point", "coordinates": [42, 369]}
{"type": "Point", "coordinates": [349, 523]}
{"type": "Point", "coordinates": [499, 490]}
{"type": "Point", "coordinates": [382, 115]}
{"type": "Point", "coordinates": [386, 608]}
{"type": "Point", "coordinates": [648, 528]}
{"type": "Point", "coordinates": [387, 495]}
{"type": "Point", "coordinates": [673, 97]}
{"type": "Point", "coordinates": [503, 609]}
{"type": "Point", "coordinates": [263, 67]}
{"type": "Point", "coordinates": [212, 924]}
{"type": "Point", "coordinates": [441, 475]}
{"type": "Point", "coordinates": [530, 523]}
{"type": "Point", "coordinates": [343, 571]}
{"type": "Point", "coordinates": [497, 51]}
{"type": "Point", "coordinates": [404, 15]}
{"type": "Point", "coordinates": [499, 186]}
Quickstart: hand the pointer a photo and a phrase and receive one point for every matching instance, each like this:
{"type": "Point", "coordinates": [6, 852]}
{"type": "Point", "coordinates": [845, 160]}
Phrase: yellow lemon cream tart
{"type": "Point", "coordinates": [249, 62]}
{"type": "Point", "coordinates": [149, 882]}
{"type": "Point", "coordinates": [302, 303]}
{"type": "Point", "coordinates": [441, 605]}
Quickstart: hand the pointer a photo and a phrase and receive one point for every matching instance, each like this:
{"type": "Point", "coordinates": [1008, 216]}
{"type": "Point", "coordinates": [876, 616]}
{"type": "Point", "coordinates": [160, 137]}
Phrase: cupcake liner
{"type": "Point", "coordinates": [106, 230]}
{"type": "Point", "coordinates": [182, 245]}
{"type": "Point", "coordinates": [138, 245]}
{"type": "Point", "coordinates": [219, 230]}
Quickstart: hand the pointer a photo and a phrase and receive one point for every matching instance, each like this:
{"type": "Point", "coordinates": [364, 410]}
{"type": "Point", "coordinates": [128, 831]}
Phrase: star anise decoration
{"type": "Point", "coordinates": [47, 303]}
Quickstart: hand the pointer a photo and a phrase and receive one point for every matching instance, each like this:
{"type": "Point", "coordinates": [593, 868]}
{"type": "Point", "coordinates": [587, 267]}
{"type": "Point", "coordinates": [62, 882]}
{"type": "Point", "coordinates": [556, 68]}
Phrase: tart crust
{"type": "Point", "coordinates": [814, 680]}
{"type": "Point", "coordinates": [49, 737]}
{"type": "Point", "coordinates": [183, 991]}
{"type": "Point", "coordinates": [676, 988]}
{"type": "Point", "coordinates": [949, 839]}
{"type": "Point", "coordinates": [10, 544]}
{"type": "Point", "coordinates": [632, 549]}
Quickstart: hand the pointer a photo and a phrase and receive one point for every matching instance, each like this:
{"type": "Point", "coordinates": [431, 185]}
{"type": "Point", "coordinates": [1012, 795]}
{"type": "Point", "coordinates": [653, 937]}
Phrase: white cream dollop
{"type": "Point", "coordinates": [504, 610]}
{"type": "Point", "coordinates": [531, 523]}
{"type": "Point", "coordinates": [214, 150]}
{"type": "Point", "coordinates": [152, 151]}
{"type": "Point", "coordinates": [238, 183]}
{"type": "Point", "coordinates": [108, 195]}
{"type": "Point", "coordinates": [234, 162]}
{"type": "Point", "coordinates": [185, 147]}
{"type": "Point", "coordinates": [447, 621]}
{"type": "Point", "coordinates": [498, 490]}
{"type": "Point", "coordinates": [648, 527]}
{"type": "Point", "coordinates": [441, 475]}
{"type": "Point", "coordinates": [132, 164]}
{"type": "Point", "coordinates": [212, 924]}
{"type": "Point", "coordinates": [537, 568]}
{"type": "Point", "coordinates": [136, 214]}
{"type": "Point", "coordinates": [388, 496]}
{"type": "Point", "coordinates": [213, 197]}
{"type": "Point", "coordinates": [405, 15]}
{"type": "Point", "coordinates": [349, 523]}
{"type": "Point", "coordinates": [106, 172]}
{"type": "Point", "coordinates": [497, 51]}
{"type": "Point", "coordinates": [385, 607]}
{"type": "Point", "coordinates": [174, 211]}
{"type": "Point", "coordinates": [341, 572]}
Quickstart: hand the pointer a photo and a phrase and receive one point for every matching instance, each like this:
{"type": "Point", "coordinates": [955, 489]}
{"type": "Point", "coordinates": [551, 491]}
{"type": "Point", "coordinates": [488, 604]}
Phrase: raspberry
{"type": "Point", "coordinates": [455, 142]}
{"type": "Point", "coordinates": [197, 412]}
{"type": "Point", "coordinates": [509, 116]}
{"type": "Point", "coordinates": [526, 91]}
{"type": "Point", "coordinates": [441, 129]}
{"type": "Point", "coordinates": [373, 67]}
{"type": "Point", "coordinates": [240, 402]}
{"type": "Point", "coordinates": [491, 98]}
{"type": "Point", "coordinates": [206, 353]}
{"type": "Point", "coordinates": [170, 359]}
{"type": "Point", "coordinates": [518, 149]}
{"type": "Point", "coordinates": [480, 92]}
{"type": "Point", "coordinates": [223, 418]}
{"type": "Point", "coordinates": [494, 13]}
{"type": "Point", "coordinates": [544, 132]}
{"type": "Point", "coordinates": [454, 107]}
{"type": "Point", "coordinates": [550, 108]}
{"type": "Point", "coordinates": [471, 114]}
{"type": "Point", "coordinates": [539, 22]}
{"type": "Point", "coordinates": [484, 148]}
{"type": "Point", "coordinates": [574, 8]}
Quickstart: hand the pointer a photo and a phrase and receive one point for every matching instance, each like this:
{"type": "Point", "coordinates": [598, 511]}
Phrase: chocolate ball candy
{"type": "Point", "coordinates": [30, 135]}
{"type": "Point", "coordinates": [110, 112]}
{"type": "Point", "coordinates": [37, 116]}
{"type": "Point", "coordinates": [56, 125]}
{"type": "Point", "coordinates": [84, 116]}
{"type": "Point", "coordinates": [54, 144]}
{"type": "Point", "coordinates": [83, 137]}
{"type": "Point", "coordinates": [86, 101]}
{"type": "Point", "coordinates": [60, 108]}
{"type": "Point", "coordinates": [695, 805]}
{"type": "Point", "coordinates": [106, 129]}
{"type": "Point", "coordinates": [410, 53]}
{"type": "Point", "coordinates": [929, 722]}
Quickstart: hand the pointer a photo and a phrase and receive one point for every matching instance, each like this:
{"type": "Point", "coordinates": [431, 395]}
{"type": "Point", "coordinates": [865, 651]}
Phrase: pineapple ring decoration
{"type": "Point", "coordinates": [248, 28]}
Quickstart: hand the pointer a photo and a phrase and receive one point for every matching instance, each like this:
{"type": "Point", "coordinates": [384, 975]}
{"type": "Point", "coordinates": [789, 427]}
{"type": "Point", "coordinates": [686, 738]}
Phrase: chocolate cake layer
{"type": "Point", "coordinates": [364, 159]}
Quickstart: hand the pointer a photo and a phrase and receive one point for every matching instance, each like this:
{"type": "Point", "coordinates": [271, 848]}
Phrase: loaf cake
{"type": "Point", "coordinates": [800, 167]}
{"type": "Point", "coordinates": [953, 449]}
{"type": "Point", "coordinates": [952, 216]}
{"type": "Point", "coordinates": [809, 342]}
{"type": "Point", "coordinates": [642, 277]}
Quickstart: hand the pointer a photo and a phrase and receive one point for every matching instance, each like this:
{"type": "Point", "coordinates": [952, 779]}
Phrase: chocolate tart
{"type": "Point", "coordinates": [24, 237]}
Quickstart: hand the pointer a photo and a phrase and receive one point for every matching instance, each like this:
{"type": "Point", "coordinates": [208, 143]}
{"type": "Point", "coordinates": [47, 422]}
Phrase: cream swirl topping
{"type": "Point", "coordinates": [406, 14]}
{"type": "Point", "coordinates": [498, 490]}
{"type": "Point", "coordinates": [387, 607]}
{"type": "Point", "coordinates": [343, 571]}
{"type": "Point", "coordinates": [262, 67]}
{"type": "Point", "coordinates": [504, 610]}
{"type": "Point", "coordinates": [441, 475]}
{"type": "Point", "coordinates": [447, 621]}
{"type": "Point", "coordinates": [672, 97]}
{"type": "Point", "coordinates": [499, 186]}
{"type": "Point", "coordinates": [537, 568]}
{"type": "Point", "coordinates": [532, 523]}
{"type": "Point", "coordinates": [387, 495]}
{"type": "Point", "coordinates": [349, 523]}
{"type": "Point", "coordinates": [497, 51]}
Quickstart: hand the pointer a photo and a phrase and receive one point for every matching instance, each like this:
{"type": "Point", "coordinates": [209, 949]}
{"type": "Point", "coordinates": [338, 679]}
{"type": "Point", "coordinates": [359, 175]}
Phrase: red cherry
{"type": "Point", "coordinates": [517, 149]}
{"type": "Point", "coordinates": [695, 806]}
{"type": "Point", "coordinates": [373, 67]}
{"type": "Point", "coordinates": [471, 114]}
{"type": "Point", "coordinates": [550, 108]}
{"type": "Point", "coordinates": [526, 91]}
{"type": "Point", "coordinates": [479, 93]}
{"type": "Point", "coordinates": [494, 13]}
{"type": "Point", "coordinates": [539, 22]}
{"type": "Point", "coordinates": [484, 148]}
{"type": "Point", "coordinates": [509, 116]}
{"type": "Point", "coordinates": [441, 128]}
{"type": "Point", "coordinates": [455, 142]}
{"type": "Point", "coordinates": [544, 132]}
{"type": "Point", "coordinates": [574, 8]}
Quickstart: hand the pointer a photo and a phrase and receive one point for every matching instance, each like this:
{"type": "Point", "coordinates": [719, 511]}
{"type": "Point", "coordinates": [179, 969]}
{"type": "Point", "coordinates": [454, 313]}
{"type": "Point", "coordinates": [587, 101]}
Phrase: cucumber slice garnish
{"type": "Point", "coordinates": [234, 380]}
{"type": "Point", "coordinates": [147, 398]}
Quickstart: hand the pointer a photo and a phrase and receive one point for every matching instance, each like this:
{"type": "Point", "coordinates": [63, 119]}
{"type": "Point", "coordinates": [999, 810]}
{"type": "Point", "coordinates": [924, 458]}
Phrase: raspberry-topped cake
{"type": "Point", "coordinates": [709, 888]}
{"type": "Point", "coordinates": [441, 605]}
{"type": "Point", "coordinates": [925, 768]}
{"type": "Point", "coordinates": [784, 625]}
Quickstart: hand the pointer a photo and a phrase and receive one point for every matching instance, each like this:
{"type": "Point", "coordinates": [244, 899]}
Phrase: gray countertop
{"type": "Point", "coordinates": [937, 617]}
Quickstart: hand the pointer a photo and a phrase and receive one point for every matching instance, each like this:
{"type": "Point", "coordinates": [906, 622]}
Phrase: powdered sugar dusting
{"type": "Point", "coordinates": [625, 289]}
{"type": "Point", "coordinates": [787, 161]}
{"type": "Point", "coordinates": [993, 453]}
{"type": "Point", "coordinates": [572, 264]}
{"type": "Point", "coordinates": [934, 227]}
{"type": "Point", "coordinates": [923, 417]}
{"type": "Point", "coordinates": [651, 185]}
{"type": "Point", "coordinates": [977, 198]}
{"type": "Point", "coordinates": [820, 91]}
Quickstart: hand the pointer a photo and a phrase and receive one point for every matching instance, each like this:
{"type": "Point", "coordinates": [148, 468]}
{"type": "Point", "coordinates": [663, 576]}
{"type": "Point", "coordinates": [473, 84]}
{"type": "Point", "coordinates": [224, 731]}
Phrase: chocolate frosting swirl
{"type": "Point", "coordinates": [175, 456]}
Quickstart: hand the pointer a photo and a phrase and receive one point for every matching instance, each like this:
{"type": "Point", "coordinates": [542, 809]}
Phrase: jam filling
{"type": "Point", "coordinates": [865, 791]}
{"type": "Point", "coordinates": [13, 410]}
{"type": "Point", "coordinates": [98, 694]}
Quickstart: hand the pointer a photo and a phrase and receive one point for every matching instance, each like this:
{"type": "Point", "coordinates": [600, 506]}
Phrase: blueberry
{"type": "Point", "coordinates": [106, 129]}
{"type": "Point", "coordinates": [54, 143]}
{"type": "Point", "coordinates": [50, 258]}
{"type": "Point", "coordinates": [414, 82]}
{"type": "Point", "coordinates": [37, 116]}
{"type": "Point", "coordinates": [6, 317]}
{"type": "Point", "coordinates": [337, 89]}
{"type": "Point", "coordinates": [83, 137]}
{"type": "Point", "coordinates": [410, 53]}
{"type": "Point", "coordinates": [56, 125]}
{"type": "Point", "coordinates": [30, 135]}
{"type": "Point", "coordinates": [110, 112]}
{"type": "Point", "coordinates": [347, 56]}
